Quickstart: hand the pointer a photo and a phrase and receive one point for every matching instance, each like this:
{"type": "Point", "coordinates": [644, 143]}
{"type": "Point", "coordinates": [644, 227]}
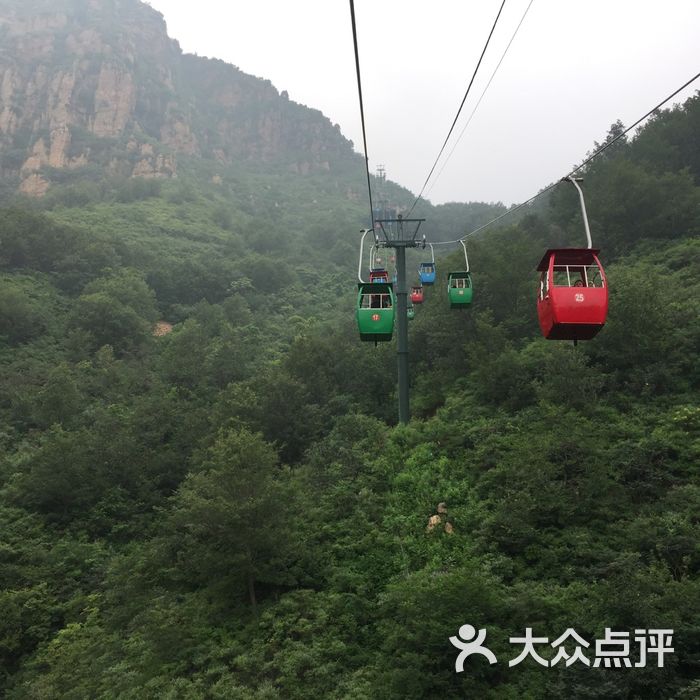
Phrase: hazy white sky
{"type": "Point", "coordinates": [573, 69]}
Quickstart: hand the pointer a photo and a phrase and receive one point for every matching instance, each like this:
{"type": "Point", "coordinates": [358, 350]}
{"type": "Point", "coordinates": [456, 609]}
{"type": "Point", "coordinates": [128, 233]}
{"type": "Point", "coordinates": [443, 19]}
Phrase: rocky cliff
{"type": "Point", "coordinates": [90, 87]}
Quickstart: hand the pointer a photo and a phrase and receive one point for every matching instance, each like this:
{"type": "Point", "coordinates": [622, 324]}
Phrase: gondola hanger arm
{"type": "Point", "coordinates": [574, 181]}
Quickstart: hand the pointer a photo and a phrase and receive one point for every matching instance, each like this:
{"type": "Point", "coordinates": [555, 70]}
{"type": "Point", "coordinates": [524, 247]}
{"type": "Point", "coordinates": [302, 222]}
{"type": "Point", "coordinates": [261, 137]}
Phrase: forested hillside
{"type": "Point", "coordinates": [203, 489]}
{"type": "Point", "coordinates": [228, 510]}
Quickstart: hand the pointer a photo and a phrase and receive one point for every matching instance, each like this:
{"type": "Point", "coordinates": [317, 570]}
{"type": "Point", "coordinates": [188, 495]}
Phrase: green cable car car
{"type": "Point", "coordinates": [459, 285]}
{"type": "Point", "coordinates": [411, 312]}
{"type": "Point", "coordinates": [459, 289]}
{"type": "Point", "coordinates": [376, 310]}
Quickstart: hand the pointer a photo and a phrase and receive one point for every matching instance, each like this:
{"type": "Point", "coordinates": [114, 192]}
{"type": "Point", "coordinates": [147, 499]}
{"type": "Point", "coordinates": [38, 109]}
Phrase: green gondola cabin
{"type": "Point", "coordinates": [376, 311]}
{"type": "Point", "coordinates": [459, 289]}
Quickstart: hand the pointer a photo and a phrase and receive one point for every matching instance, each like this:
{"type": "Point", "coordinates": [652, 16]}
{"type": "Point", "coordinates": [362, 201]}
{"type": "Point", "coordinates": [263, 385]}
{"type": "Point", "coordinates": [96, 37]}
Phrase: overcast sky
{"type": "Point", "coordinates": [574, 68]}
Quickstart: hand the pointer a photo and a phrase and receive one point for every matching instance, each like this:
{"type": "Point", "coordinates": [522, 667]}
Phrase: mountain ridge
{"type": "Point", "coordinates": [111, 92]}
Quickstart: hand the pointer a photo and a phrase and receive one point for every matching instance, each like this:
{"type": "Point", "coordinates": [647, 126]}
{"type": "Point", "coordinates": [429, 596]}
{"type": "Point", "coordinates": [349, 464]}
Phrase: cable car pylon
{"type": "Point", "coordinates": [400, 241]}
{"type": "Point", "coordinates": [397, 234]}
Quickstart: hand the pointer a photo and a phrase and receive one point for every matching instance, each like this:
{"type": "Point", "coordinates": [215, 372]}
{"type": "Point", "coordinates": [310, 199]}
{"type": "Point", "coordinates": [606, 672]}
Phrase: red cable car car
{"type": "Point", "coordinates": [379, 274]}
{"type": "Point", "coordinates": [417, 295]}
{"type": "Point", "coordinates": [573, 298]}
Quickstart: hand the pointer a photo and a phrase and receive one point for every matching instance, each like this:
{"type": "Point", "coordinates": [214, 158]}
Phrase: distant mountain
{"type": "Point", "coordinates": [92, 88]}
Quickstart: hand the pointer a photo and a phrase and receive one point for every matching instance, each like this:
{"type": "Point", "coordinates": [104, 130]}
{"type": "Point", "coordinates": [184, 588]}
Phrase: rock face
{"type": "Point", "coordinates": [98, 83]}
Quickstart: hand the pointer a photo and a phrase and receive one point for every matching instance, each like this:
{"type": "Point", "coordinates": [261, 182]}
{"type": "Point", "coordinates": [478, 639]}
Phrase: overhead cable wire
{"type": "Point", "coordinates": [604, 147]}
{"type": "Point", "coordinates": [471, 116]}
{"type": "Point", "coordinates": [362, 108]}
{"type": "Point", "coordinates": [459, 111]}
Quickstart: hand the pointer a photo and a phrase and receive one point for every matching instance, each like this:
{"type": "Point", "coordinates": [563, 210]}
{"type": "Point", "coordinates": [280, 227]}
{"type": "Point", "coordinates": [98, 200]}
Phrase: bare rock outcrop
{"type": "Point", "coordinates": [115, 99]}
{"type": "Point", "coordinates": [100, 83]}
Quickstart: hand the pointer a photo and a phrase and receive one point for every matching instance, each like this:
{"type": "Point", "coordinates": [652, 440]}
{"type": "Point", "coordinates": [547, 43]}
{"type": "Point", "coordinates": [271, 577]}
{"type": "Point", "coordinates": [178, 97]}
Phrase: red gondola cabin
{"type": "Point", "coordinates": [379, 274]}
{"type": "Point", "coordinates": [573, 295]}
{"type": "Point", "coordinates": [417, 295]}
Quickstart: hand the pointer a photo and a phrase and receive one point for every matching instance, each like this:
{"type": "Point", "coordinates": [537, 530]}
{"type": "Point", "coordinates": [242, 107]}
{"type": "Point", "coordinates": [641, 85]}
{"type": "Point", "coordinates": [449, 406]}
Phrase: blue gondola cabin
{"type": "Point", "coordinates": [426, 272]}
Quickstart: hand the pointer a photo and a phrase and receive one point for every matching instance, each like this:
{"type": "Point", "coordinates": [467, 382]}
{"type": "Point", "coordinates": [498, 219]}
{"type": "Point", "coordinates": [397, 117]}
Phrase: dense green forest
{"type": "Point", "coordinates": [229, 510]}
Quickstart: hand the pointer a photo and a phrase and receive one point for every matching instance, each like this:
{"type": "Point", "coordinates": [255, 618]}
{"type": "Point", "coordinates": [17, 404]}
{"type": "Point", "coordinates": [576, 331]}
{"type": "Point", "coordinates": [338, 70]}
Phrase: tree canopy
{"type": "Point", "coordinates": [228, 508]}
